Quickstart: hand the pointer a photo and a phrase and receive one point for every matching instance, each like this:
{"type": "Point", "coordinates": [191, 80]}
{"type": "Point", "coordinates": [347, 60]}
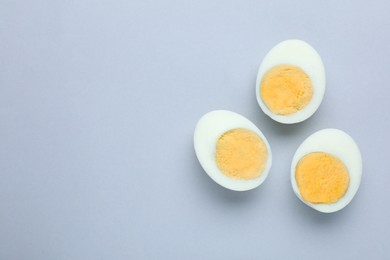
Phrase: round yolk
{"type": "Point", "coordinates": [321, 178]}
{"type": "Point", "coordinates": [241, 154]}
{"type": "Point", "coordinates": [286, 89]}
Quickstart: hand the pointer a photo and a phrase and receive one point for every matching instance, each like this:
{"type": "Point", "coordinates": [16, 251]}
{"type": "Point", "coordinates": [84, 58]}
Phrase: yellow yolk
{"type": "Point", "coordinates": [241, 154]}
{"type": "Point", "coordinates": [286, 89]}
{"type": "Point", "coordinates": [321, 178]}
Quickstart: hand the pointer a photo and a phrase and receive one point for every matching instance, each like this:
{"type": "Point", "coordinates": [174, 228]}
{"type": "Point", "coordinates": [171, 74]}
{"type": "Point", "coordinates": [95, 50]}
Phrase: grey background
{"type": "Point", "coordinates": [98, 103]}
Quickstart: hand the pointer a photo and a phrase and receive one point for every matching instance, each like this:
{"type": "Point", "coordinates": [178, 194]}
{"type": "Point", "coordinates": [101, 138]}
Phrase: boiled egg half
{"type": "Point", "coordinates": [326, 170]}
{"type": "Point", "coordinates": [232, 150]}
{"type": "Point", "coordinates": [290, 82]}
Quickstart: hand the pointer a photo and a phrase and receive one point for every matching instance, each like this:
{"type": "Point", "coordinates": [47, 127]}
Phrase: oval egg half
{"type": "Point", "coordinates": [290, 82]}
{"type": "Point", "coordinates": [232, 150]}
{"type": "Point", "coordinates": [326, 170]}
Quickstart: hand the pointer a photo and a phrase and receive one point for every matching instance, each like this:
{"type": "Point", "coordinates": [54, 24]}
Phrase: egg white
{"type": "Point", "coordinates": [341, 145]}
{"type": "Point", "coordinates": [207, 132]}
{"type": "Point", "coordinates": [302, 55]}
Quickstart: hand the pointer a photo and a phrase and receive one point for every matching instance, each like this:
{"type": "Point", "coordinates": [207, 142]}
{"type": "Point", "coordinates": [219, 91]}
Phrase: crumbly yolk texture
{"type": "Point", "coordinates": [321, 178]}
{"type": "Point", "coordinates": [286, 89]}
{"type": "Point", "coordinates": [241, 154]}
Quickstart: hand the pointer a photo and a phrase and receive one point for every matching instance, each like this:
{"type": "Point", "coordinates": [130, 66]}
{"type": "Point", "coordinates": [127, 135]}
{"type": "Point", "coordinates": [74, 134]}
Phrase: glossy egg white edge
{"type": "Point", "coordinates": [207, 132]}
{"type": "Point", "coordinates": [301, 54]}
{"type": "Point", "coordinates": [341, 145]}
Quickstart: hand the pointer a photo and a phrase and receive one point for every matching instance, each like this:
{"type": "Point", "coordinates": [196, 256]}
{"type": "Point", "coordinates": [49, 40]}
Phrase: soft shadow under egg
{"type": "Point", "coordinates": [216, 192]}
{"type": "Point", "coordinates": [307, 215]}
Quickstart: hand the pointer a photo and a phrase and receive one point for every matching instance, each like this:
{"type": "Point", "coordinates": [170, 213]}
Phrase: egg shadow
{"type": "Point", "coordinates": [220, 194]}
{"type": "Point", "coordinates": [309, 215]}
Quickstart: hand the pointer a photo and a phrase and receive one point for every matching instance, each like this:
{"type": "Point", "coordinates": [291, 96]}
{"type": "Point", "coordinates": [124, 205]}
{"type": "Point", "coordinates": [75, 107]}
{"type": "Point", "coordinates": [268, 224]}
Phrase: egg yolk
{"type": "Point", "coordinates": [321, 178]}
{"type": "Point", "coordinates": [286, 89]}
{"type": "Point", "coordinates": [241, 154]}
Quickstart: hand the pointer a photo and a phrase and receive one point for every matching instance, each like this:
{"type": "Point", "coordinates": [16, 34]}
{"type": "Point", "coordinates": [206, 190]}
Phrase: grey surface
{"type": "Point", "coordinates": [98, 103]}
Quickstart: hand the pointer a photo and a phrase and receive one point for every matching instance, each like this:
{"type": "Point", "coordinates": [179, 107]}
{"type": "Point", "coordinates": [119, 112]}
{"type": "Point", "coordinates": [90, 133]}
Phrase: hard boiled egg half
{"type": "Point", "coordinates": [232, 150]}
{"type": "Point", "coordinates": [290, 82]}
{"type": "Point", "coordinates": [326, 170]}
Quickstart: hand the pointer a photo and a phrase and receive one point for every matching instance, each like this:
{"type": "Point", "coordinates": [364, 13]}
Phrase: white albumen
{"type": "Point", "coordinates": [302, 55]}
{"type": "Point", "coordinates": [341, 145]}
{"type": "Point", "coordinates": [207, 132]}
